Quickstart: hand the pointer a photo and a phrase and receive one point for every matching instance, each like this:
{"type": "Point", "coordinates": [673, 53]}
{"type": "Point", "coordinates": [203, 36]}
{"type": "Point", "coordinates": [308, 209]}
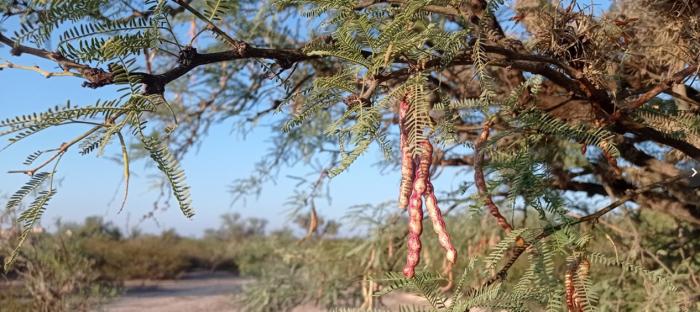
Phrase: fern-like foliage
{"type": "Point", "coordinates": [217, 9]}
{"type": "Point", "coordinates": [54, 14]}
{"type": "Point", "coordinates": [30, 217]}
{"type": "Point", "coordinates": [34, 182]}
{"type": "Point", "coordinates": [546, 124]}
{"type": "Point", "coordinates": [114, 39]}
{"type": "Point", "coordinates": [170, 167]}
{"type": "Point", "coordinates": [678, 124]}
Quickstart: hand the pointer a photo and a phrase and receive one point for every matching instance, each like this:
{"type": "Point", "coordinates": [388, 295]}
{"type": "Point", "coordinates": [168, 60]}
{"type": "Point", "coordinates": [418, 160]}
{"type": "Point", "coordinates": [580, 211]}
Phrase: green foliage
{"type": "Point", "coordinates": [463, 76]}
{"type": "Point", "coordinates": [176, 176]}
{"type": "Point", "coordinates": [57, 275]}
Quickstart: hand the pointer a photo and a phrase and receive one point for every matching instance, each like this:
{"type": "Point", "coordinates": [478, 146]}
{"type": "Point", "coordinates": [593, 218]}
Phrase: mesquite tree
{"type": "Point", "coordinates": [543, 101]}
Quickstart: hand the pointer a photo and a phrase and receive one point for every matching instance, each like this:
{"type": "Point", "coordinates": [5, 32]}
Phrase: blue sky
{"type": "Point", "coordinates": [89, 183]}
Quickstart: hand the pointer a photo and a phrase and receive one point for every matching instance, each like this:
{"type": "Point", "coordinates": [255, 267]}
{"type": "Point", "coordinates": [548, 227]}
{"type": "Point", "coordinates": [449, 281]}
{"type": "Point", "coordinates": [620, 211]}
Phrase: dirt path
{"type": "Point", "coordinates": [195, 292]}
{"type": "Point", "coordinates": [201, 292]}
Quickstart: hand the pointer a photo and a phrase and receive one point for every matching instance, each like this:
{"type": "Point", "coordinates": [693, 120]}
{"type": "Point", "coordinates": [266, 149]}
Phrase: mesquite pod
{"type": "Point", "coordinates": [422, 175]}
{"type": "Point", "coordinates": [407, 173]}
{"type": "Point", "coordinates": [422, 187]}
{"type": "Point", "coordinates": [439, 224]}
{"type": "Point", "coordinates": [415, 228]}
{"type": "Point", "coordinates": [582, 274]}
{"type": "Point", "coordinates": [415, 209]}
{"type": "Point", "coordinates": [570, 286]}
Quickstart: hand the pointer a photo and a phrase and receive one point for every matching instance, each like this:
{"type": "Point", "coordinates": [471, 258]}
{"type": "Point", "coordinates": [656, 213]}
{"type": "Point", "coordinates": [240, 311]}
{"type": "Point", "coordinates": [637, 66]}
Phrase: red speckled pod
{"type": "Point", "coordinates": [439, 224]}
{"type": "Point", "coordinates": [415, 228]}
{"type": "Point", "coordinates": [406, 159]}
{"type": "Point", "coordinates": [422, 176]}
{"type": "Point", "coordinates": [582, 274]}
{"type": "Point", "coordinates": [569, 287]}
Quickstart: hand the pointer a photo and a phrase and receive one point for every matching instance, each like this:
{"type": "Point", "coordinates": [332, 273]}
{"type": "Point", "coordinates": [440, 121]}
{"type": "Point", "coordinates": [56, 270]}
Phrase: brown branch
{"type": "Point", "coordinates": [518, 250]}
{"type": "Point", "coordinates": [428, 8]}
{"type": "Point", "coordinates": [653, 92]}
{"type": "Point", "coordinates": [37, 69]}
{"type": "Point", "coordinates": [624, 125]}
{"type": "Point", "coordinates": [60, 151]}
{"type": "Point", "coordinates": [95, 77]}
{"type": "Point", "coordinates": [480, 180]}
{"type": "Point", "coordinates": [190, 59]}
{"type": "Point", "coordinates": [456, 161]}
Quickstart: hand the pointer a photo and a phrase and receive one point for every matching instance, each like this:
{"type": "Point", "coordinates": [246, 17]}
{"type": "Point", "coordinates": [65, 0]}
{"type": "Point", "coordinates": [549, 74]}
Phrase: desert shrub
{"type": "Point", "coordinates": [13, 297]}
{"type": "Point", "coordinates": [55, 274]}
{"type": "Point", "coordinates": [163, 256]}
{"type": "Point", "coordinates": [146, 257]}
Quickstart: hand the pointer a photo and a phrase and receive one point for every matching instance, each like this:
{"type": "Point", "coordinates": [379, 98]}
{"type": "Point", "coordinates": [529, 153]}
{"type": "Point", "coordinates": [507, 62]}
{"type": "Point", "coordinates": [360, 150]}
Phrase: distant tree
{"type": "Point", "coordinates": [550, 104]}
{"type": "Point", "coordinates": [234, 227]}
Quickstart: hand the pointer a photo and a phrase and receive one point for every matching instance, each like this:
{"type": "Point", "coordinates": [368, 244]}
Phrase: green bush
{"type": "Point", "coordinates": [147, 257]}
{"type": "Point", "coordinates": [56, 275]}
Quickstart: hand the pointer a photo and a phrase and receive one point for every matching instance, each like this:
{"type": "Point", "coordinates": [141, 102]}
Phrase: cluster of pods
{"type": "Point", "coordinates": [416, 186]}
{"type": "Point", "coordinates": [578, 269]}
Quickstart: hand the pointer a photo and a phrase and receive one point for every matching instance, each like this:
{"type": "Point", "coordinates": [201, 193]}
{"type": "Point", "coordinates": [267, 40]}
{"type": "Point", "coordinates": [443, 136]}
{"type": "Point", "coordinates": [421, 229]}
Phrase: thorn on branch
{"type": "Point", "coordinates": [96, 77]}
{"type": "Point", "coordinates": [15, 51]}
{"type": "Point", "coordinates": [187, 55]}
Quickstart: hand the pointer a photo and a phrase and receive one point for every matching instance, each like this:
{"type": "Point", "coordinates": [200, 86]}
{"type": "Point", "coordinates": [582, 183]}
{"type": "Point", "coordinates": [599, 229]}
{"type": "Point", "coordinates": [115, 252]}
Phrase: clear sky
{"type": "Point", "coordinates": [89, 183]}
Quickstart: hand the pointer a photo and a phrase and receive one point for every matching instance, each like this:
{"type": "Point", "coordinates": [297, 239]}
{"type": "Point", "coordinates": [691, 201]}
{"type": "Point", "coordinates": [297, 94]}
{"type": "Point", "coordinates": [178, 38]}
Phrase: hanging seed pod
{"type": "Point", "coordinates": [582, 274]}
{"type": "Point", "coordinates": [422, 176]}
{"type": "Point", "coordinates": [313, 225]}
{"type": "Point", "coordinates": [570, 287]}
{"type": "Point", "coordinates": [415, 228]}
{"type": "Point", "coordinates": [407, 173]}
{"type": "Point", "coordinates": [439, 224]}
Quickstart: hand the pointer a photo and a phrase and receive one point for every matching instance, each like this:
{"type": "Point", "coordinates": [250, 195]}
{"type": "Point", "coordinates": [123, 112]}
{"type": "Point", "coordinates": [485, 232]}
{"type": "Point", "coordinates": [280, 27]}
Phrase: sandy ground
{"type": "Point", "coordinates": [193, 293]}
{"type": "Point", "coordinates": [199, 292]}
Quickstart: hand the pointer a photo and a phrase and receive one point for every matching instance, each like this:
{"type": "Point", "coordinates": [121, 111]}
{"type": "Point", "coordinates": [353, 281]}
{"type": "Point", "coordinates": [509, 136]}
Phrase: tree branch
{"type": "Point", "coordinates": [46, 74]}
{"type": "Point", "coordinates": [95, 77]}
{"type": "Point", "coordinates": [518, 250]}
{"type": "Point", "coordinates": [480, 180]}
{"type": "Point", "coordinates": [661, 87]}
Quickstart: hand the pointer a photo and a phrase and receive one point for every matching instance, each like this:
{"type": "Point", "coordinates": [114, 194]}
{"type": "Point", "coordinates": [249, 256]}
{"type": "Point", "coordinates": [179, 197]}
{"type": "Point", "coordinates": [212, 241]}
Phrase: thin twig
{"type": "Point", "coordinates": [480, 180]}
{"type": "Point", "coordinates": [38, 69]}
{"type": "Point", "coordinates": [66, 145]}
{"type": "Point", "coordinates": [518, 250]}
{"type": "Point", "coordinates": [210, 25]}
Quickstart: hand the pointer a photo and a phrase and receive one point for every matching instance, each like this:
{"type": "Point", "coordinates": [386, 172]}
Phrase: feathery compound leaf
{"type": "Point", "coordinates": [216, 9]}
{"type": "Point", "coordinates": [167, 163]}
{"type": "Point", "coordinates": [32, 157]}
{"type": "Point", "coordinates": [29, 219]}
{"type": "Point", "coordinates": [396, 281]}
{"type": "Point", "coordinates": [428, 285]}
{"type": "Point", "coordinates": [657, 277]}
{"type": "Point", "coordinates": [417, 120]}
{"type": "Point", "coordinates": [34, 182]}
{"type": "Point", "coordinates": [536, 119]}
{"type": "Point", "coordinates": [676, 124]}
{"type": "Point", "coordinates": [500, 249]}
{"type": "Point", "coordinates": [363, 132]}
{"type": "Point", "coordinates": [59, 114]}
